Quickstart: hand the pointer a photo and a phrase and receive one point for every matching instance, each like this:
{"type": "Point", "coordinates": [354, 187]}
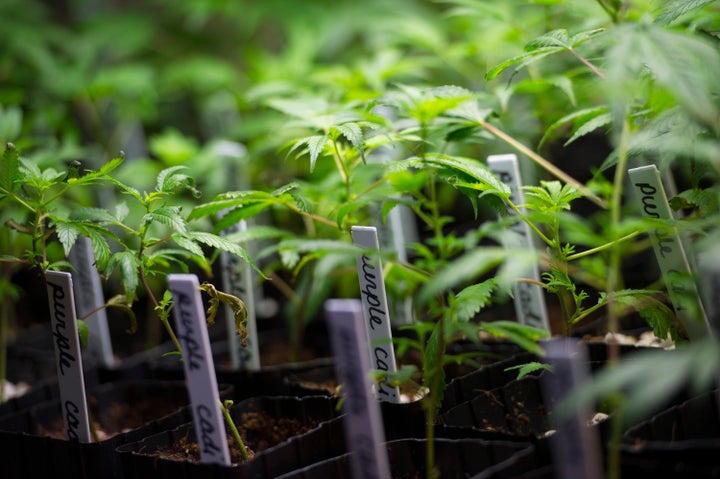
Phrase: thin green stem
{"type": "Point", "coordinates": [597, 249]}
{"type": "Point", "coordinates": [613, 282]}
{"type": "Point", "coordinates": [340, 163]}
{"type": "Point", "coordinates": [225, 407]}
{"type": "Point", "coordinates": [530, 224]}
{"type": "Point", "coordinates": [587, 63]}
{"type": "Point", "coordinates": [319, 219]}
{"type": "Point", "coordinates": [545, 164]}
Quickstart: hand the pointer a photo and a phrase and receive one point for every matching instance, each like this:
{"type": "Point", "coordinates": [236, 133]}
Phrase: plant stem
{"type": "Point", "coordinates": [587, 63]}
{"type": "Point", "coordinates": [319, 219]}
{"type": "Point", "coordinates": [163, 319]}
{"type": "Point", "coordinates": [549, 167]}
{"type": "Point", "coordinates": [613, 282]}
{"type": "Point", "coordinates": [597, 249]}
{"type": "Point", "coordinates": [225, 407]}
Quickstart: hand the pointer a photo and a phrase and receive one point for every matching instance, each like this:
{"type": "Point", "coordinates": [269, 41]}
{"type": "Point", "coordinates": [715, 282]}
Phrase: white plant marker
{"type": "Point", "coordinates": [709, 268]}
{"type": "Point", "coordinates": [191, 327]}
{"type": "Point", "coordinates": [400, 226]}
{"type": "Point", "coordinates": [238, 279]}
{"type": "Point", "coordinates": [529, 298]}
{"type": "Point", "coordinates": [68, 356]}
{"type": "Point", "coordinates": [375, 310]}
{"type": "Point", "coordinates": [89, 297]}
{"type": "Point", "coordinates": [363, 420]}
{"type": "Point", "coordinates": [670, 252]}
{"type": "Point", "coordinates": [575, 446]}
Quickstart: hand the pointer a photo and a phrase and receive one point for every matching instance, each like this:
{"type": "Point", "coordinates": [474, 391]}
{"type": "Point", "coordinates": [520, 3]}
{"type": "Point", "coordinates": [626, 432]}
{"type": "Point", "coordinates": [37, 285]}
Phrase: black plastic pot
{"type": "Point", "coordinates": [680, 442]}
{"type": "Point", "coordinates": [268, 381]}
{"type": "Point", "coordinates": [460, 458]}
{"type": "Point", "coordinates": [141, 460]}
{"type": "Point", "coordinates": [24, 436]}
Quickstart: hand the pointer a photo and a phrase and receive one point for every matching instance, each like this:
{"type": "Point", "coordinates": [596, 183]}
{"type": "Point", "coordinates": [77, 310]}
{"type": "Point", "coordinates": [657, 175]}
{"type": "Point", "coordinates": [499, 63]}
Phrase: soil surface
{"type": "Point", "coordinates": [258, 430]}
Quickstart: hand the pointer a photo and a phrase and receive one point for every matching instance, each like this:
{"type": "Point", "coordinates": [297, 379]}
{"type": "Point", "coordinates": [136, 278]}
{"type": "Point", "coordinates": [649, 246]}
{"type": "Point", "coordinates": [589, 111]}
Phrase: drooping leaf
{"type": "Point", "coordinates": [120, 302]}
{"type": "Point", "coordinates": [237, 306]}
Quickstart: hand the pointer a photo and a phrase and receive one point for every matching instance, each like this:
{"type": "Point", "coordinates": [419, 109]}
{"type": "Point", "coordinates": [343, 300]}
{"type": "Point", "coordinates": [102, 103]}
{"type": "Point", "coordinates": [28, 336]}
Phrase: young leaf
{"type": "Point", "coordinates": [353, 133]}
{"type": "Point", "coordinates": [315, 145]}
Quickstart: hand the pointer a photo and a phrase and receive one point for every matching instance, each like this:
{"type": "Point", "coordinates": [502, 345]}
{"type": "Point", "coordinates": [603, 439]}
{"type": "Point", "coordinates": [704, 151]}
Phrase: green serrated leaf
{"type": "Point", "coordinates": [672, 10]}
{"type": "Point", "coordinates": [314, 147]}
{"type": "Point", "coordinates": [472, 299]}
{"type": "Point", "coordinates": [10, 170]}
{"type": "Point", "coordinates": [529, 368]}
{"type": "Point", "coordinates": [188, 244]}
{"type": "Point", "coordinates": [524, 336]}
{"type": "Point", "coordinates": [128, 265]}
{"type": "Point", "coordinates": [67, 233]}
{"type": "Point", "coordinates": [353, 133]}
{"type": "Point", "coordinates": [223, 244]}
{"type": "Point", "coordinates": [168, 216]}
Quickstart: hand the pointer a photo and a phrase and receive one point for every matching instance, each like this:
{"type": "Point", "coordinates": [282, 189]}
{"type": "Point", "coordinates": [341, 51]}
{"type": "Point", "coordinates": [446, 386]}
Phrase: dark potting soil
{"type": "Point", "coordinates": [118, 417]}
{"type": "Point", "coordinates": [258, 430]}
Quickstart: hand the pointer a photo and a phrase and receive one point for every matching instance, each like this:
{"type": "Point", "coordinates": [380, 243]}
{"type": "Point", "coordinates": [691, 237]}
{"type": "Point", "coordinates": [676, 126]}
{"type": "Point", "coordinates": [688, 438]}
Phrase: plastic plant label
{"type": "Point", "coordinates": [575, 445]}
{"type": "Point", "coordinates": [375, 310]}
{"type": "Point", "coordinates": [191, 328]}
{"type": "Point", "coordinates": [393, 235]}
{"type": "Point", "coordinates": [363, 420]}
{"type": "Point", "coordinates": [68, 356]}
{"type": "Point", "coordinates": [670, 252]}
{"type": "Point", "coordinates": [709, 267]}
{"type": "Point", "coordinates": [238, 279]}
{"type": "Point", "coordinates": [529, 298]}
{"type": "Point", "coordinates": [89, 297]}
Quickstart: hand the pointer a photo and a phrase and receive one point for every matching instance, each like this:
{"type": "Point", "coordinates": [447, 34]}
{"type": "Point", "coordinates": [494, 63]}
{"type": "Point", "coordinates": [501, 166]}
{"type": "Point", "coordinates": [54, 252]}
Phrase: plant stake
{"type": "Point", "coordinates": [68, 356]}
{"type": "Point", "coordinates": [670, 253]}
{"type": "Point", "coordinates": [238, 279]}
{"type": "Point", "coordinates": [529, 298]}
{"type": "Point", "coordinates": [574, 445]}
{"type": "Point", "coordinates": [90, 303]}
{"type": "Point", "coordinates": [199, 368]}
{"type": "Point", "coordinates": [375, 310]}
{"type": "Point", "coordinates": [363, 431]}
